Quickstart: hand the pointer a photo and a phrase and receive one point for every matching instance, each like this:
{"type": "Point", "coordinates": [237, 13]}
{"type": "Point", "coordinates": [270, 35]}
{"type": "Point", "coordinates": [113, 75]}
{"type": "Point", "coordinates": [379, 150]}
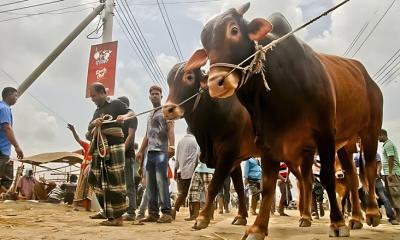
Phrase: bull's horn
{"type": "Point", "coordinates": [243, 9]}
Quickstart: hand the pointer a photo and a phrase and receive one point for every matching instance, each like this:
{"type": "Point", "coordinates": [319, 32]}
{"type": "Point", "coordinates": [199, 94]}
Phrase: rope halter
{"type": "Point", "coordinates": [256, 66]}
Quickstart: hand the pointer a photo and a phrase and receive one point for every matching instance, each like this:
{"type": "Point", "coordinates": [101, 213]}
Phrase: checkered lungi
{"type": "Point", "coordinates": [200, 182]}
{"type": "Point", "coordinates": [393, 190]}
{"type": "Point", "coordinates": [108, 180]}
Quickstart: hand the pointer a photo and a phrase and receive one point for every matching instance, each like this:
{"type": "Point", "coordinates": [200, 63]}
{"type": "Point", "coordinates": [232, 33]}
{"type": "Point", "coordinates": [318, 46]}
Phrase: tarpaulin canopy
{"type": "Point", "coordinates": [54, 157]}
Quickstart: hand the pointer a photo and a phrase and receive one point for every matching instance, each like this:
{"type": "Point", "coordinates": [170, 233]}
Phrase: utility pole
{"type": "Point", "coordinates": [59, 49]}
{"type": "Point", "coordinates": [108, 15]}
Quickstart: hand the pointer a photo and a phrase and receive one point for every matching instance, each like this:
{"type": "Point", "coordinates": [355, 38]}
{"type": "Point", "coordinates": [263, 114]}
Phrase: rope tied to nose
{"type": "Point", "coordinates": [256, 66]}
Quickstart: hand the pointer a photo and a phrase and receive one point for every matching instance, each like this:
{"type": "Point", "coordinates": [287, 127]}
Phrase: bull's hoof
{"type": "Point", "coordinates": [239, 221]}
{"type": "Point", "coordinates": [254, 236]}
{"type": "Point", "coordinates": [201, 224]}
{"type": "Point", "coordinates": [303, 222]}
{"type": "Point", "coordinates": [373, 220]}
{"type": "Point", "coordinates": [342, 231]}
{"type": "Point", "coordinates": [355, 224]}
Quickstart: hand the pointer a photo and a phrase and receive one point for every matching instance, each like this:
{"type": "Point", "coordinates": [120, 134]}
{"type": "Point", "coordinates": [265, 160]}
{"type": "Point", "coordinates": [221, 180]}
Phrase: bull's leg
{"type": "Point", "coordinates": [220, 174]}
{"type": "Point", "coordinates": [346, 160]}
{"type": "Point", "coordinates": [306, 171]}
{"type": "Point", "coordinates": [270, 169]}
{"type": "Point", "coordinates": [369, 141]}
{"type": "Point", "coordinates": [326, 149]}
{"type": "Point", "coordinates": [241, 218]}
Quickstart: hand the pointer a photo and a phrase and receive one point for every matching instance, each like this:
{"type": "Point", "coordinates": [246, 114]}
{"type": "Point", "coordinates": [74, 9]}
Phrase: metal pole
{"type": "Point", "coordinates": [58, 50]}
{"type": "Point", "coordinates": [108, 15]}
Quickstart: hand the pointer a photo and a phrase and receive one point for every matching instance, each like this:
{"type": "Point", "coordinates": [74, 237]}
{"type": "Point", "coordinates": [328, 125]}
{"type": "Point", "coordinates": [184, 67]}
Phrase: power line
{"type": "Point", "coordinates": [176, 3]}
{"type": "Point", "coordinates": [136, 48]}
{"type": "Point", "coordinates": [355, 39]}
{"type": "Point", "coordinates": [391, 80]}
{"type": "Point", "coordinates": [31, 6]}
{"type": "Point", "coordinates": [35, 98]}
{"type": "Point", "coordinates": [54, 11]}
{"type": "Point", "coordinates": [142, 41]}
{"type": "Point", "coordinates": [169, 32]}
{"type": "Point", "coordinates": [139, 46]}
{"type": "Point", "coordinates": [172, 29]}
{"type": "Point", "coordinates": [391, 75]}
{"type": "Point", "coordinates": [140, 33]}
{"type": "Point", "coordinates": [373, 29]}
{"type": "Point", "coordinates": [386, 65]}
{"type": "Point", "coordinates": [11, 3]}
{"type": "Point", "coordinates": [388, 72]}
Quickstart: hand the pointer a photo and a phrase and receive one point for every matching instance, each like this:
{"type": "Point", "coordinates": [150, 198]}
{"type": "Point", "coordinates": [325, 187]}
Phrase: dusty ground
{"type": "Point", "coordinates": [44, 221]}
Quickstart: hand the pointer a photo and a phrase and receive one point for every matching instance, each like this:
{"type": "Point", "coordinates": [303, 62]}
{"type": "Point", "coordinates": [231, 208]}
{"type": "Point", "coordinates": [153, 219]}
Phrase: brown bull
{"type": "Point", "coordinates": [317, 102]}
{"type": "Point", "coordinates": [223, 130]}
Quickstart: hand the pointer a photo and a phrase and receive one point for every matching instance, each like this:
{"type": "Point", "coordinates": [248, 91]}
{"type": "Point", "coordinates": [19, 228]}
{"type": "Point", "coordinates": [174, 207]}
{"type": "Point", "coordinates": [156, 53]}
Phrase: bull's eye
{"type": "Point", "coordinates": [190, 78]}
{"type": "Point", "coordinates": [234, 30]}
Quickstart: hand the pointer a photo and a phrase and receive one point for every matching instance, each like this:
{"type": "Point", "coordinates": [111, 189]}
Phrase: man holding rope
{"type": "Point", "coordinates": [108, 154]}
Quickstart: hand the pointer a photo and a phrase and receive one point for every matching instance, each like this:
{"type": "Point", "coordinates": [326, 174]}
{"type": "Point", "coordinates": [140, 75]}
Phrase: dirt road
{"type": "Point", "coordinates": [42, 221]}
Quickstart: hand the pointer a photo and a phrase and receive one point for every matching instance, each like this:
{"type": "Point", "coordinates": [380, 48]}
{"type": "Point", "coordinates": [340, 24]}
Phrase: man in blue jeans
{"type": "Point", "coordinates": [382, 194]}
{"type": "Point", "coordinates": [159, 141]}
{"type": "Point", "coordinates": [379, 189]}
{"type": "Point", "coordinates": [129, 129]}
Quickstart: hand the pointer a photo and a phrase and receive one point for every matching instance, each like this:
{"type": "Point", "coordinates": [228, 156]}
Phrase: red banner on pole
{"type": "Point", "coordinates": [102, 64]}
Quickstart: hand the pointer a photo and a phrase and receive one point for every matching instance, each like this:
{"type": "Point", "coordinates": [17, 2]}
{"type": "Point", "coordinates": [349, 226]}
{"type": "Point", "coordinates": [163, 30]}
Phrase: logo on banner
{"type": "Point", "coordinates": [102, 64]}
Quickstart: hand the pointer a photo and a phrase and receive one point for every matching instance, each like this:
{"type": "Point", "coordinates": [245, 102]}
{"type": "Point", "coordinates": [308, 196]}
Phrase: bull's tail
{"type": "Point", "coordinates": [361, 165]}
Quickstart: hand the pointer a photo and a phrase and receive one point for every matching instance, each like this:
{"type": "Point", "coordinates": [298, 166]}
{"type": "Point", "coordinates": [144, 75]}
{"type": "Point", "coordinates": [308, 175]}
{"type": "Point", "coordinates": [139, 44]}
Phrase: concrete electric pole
{"type": "Point", "coordinates": [108, 15]}
{"type": "Point", "coordinates": [64, 44]}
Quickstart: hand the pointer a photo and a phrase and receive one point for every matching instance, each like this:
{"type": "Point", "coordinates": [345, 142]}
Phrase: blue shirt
{"type": "Point", "coordinates": [5, 117]}
{"type": "Point", "coordinates": [252, 169]}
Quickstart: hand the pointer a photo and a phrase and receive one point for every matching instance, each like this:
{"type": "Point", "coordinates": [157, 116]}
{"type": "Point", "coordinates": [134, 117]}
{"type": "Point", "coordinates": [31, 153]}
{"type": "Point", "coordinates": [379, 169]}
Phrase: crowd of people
{"type": "Point", "coordinates": [127, 182]}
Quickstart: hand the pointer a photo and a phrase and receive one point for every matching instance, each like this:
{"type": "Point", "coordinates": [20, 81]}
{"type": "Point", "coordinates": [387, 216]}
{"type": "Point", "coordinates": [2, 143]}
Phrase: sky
{"type": "Point", "coordinates": [58, 95]}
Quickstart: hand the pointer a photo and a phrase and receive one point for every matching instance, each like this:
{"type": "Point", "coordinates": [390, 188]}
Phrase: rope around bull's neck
{"type": "Point", "coordinates": [257, 64]}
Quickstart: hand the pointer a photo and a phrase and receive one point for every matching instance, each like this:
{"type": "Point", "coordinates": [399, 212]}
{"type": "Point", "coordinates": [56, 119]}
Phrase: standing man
{"type": "Point", "coordinates": [224, 196]}
{"type": "Point", "coordinates": [187, 153]}
{"type": "Point", "coordinates": [381, 192]}
{"type": "Point", "coordinates": [129, 129]}
{"type": "Point", "coordinates": [7, 137]}
{"type": "Point", "coordinates": [284, 187]}
{"type": "Point", "coordinates": [391, 171]}
{"type": "Point", "coordinates": [108, 154]}
{"type": "Point", "coordinates": [200, 181]}
{"type": "Point", "coordinates": [159, 141]}
{"type": "Point", "coordinates": [252, 179]}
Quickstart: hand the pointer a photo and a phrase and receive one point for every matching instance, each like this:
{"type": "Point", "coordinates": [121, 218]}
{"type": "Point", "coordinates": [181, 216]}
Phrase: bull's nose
{"type": "Point", "coordinates": [170, 109]}
{"type": "Point", "coordinates": [221, 82]}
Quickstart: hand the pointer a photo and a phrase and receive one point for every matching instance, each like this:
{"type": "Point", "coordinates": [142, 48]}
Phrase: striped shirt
{"type": "Point", "coordinates": [390, 150]}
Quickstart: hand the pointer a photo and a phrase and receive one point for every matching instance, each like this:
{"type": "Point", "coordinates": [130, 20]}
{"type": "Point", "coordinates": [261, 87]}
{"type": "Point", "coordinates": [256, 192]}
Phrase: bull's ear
{"type": "Point", "coordinates": [258, 28]}
{"type": "Point", "coordinates": [197, 60]}
{"type": "Point", "coordinates": [243, 9]}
